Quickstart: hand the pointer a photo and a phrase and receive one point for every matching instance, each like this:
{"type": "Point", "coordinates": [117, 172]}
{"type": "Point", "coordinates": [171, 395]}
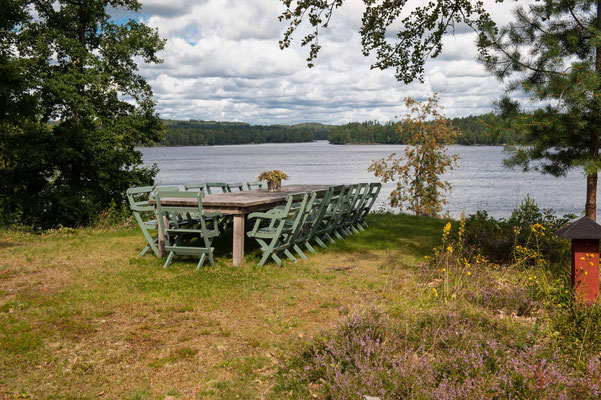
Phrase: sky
{"type": "Point", "coordinates": [222, 62]}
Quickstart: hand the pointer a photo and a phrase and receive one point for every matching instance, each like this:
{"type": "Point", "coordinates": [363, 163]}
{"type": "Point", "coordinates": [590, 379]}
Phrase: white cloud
{"type": "Point", "coordinates": [222, 62]}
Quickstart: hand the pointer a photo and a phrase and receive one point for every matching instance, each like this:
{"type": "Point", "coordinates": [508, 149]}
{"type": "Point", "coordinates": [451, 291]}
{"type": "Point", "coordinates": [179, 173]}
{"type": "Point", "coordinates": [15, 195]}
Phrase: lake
{"type": "Point", "coordinates": [479, 183]}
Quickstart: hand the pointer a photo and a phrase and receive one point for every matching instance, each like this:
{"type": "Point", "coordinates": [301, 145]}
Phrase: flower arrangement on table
{"type": "Point", "coordinates": [274, 179]}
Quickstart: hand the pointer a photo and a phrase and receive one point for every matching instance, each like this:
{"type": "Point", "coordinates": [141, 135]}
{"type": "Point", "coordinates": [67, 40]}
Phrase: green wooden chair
{"type": "Point", "coordinates": [275, 229]}
{"type": "Point", "coordinates": [325, 230]}
{"type": "Point", "coordinates": [144, 215]}
{"type": "Point", "coordinates": [298, 237]}
{"type": "Point", "coordinates": [373, 192]}
{"type": "Point", "coordinates": [355, 209]}
{"type": "Point", "coordinates": [238, 186]}
{"type": "Point", "coordinates": [195, 187]}
{"type": "Point", "coordinates": [348, 200]}
{"type": "Point", "coordinates": [188, 239]}
{"type": "Point", "coordinates": [169, 188]}
{"type": "Point", "coordinates": [255, 185]}
{"type": "Point", "coordinates": [316, 218]}
{"type": "Point", "coordinates": [211, 186]}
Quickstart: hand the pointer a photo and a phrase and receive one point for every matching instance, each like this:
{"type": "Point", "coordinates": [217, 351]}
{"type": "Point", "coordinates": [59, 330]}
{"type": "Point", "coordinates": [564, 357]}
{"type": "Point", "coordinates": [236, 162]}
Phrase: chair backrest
{"type": "Point", "coordinates": [294, 209]}
{"type": "Point", "coordinates": [321, 204]}
{"type": "Point", "coordinates": [254, 185]}
{"type": "Point", "coordinates": [304, 225]}
{"type": "Point", "coordinates": [238, 186]}
{"type": "Point", "coordinates": [165, 188]}
{"type": "Point", "coordinates": [346, 203]}
{"type": "Point", "coordinates": [216, 185]}
{"type": "Point", "coordinates": [194, 187]}
{"type": "Point", "coordinates": [350, 197]}
{"type": "Point", "coordinates": [373, 192]}
{"type": "Point", "coordinates": [177, 213]}
{"type": "Point", "coordinates": [359, 201]}
{"type": "Point", "coordinates": [138, 198]}
{"type": "Point", "coordinates": [336, 199]}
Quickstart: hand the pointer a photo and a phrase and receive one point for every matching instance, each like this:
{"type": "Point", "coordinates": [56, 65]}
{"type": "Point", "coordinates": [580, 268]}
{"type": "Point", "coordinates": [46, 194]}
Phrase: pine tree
{"type": "Point", "coordinates": [551, 52]}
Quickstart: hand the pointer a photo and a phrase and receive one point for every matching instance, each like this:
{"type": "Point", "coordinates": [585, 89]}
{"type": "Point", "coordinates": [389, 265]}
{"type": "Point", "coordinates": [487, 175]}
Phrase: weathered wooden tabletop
{"type": "Point", "coordinates": [241, 200]}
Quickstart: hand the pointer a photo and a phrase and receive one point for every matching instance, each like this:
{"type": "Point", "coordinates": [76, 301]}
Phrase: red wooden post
{"type": "Point", "coordinates": [585, 269]}
{"type": "Point", "coordinates": [585, 235]}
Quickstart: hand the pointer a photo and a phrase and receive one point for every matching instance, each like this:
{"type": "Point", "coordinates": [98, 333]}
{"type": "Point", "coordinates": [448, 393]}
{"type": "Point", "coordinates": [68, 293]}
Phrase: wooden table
{"type": "Point", "coordinates": [238, 204]}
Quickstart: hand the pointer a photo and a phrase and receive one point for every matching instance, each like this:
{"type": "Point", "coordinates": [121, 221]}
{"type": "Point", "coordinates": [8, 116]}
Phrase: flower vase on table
{"type": "Point", "coordinates": [274, 179]}
{"type": "Point", "coordinates": [273, 186]}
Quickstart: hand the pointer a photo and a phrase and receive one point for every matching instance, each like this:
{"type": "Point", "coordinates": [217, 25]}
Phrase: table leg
{"type": "Point", "coordinates": [238, 245]}
{"type": "Point", "coordinates": [161, 244]}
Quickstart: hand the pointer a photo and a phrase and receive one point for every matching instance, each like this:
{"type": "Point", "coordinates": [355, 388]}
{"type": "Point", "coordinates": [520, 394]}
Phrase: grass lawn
{"type": "Point", "coordinates": [81, 316]}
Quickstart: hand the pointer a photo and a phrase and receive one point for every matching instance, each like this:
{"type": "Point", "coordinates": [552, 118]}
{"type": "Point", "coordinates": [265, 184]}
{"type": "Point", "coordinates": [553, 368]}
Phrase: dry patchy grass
{"type": "Point", "coordinates": [81, 316]}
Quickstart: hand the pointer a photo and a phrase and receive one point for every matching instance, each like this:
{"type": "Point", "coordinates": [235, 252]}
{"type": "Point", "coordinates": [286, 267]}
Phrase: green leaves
{"type": "Point", "coordinates": [407, 50]}
{"type": "Point", "coordinates": [417, 173]}
{"type": "Point", "coordinates": [72, 64]}
{"type": "Point", "coordinates": [551, 53]}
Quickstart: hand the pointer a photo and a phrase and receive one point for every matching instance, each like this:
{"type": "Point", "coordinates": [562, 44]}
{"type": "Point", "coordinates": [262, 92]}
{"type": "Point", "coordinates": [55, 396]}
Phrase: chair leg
{"type": "Point", "coordinates": [151, 241]}
{"type": "Point", "coordinates": [358, 226]}
{"type": "Point", "coordinates": [169, 259]}
{"type": "Point", "coordinates": [299, 252]}
{"type": "Point", "coordinates": [309, 247]}
{"type": "Point", "coordinates": [144, 251]}
{"type": "Point", "coordinates": [264, 258]}
{"type": "Point", "coordinates": [353, 229]}
{"type": "Point", "coordinates": [289, 255]}
{"type": "Point", "coordinates": [276, 259]}
{"type": "Point", "coordinates": [338, 235]}
{"type": "Point", "coordinates": [202, 261]}
{"type": "Point", "coordinates": [211, 260]}
{"type": "Point", "coordinates": [320, 242]}
{"type": "Point", "coordinates": [327, 235]}
{"type": "Point", "coordinates": [268, 251]}
{"type": "Point", "coordinates": [208, 242]}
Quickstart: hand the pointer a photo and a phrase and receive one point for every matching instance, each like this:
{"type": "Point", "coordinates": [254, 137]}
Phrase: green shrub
{"type": "Point", "coordinates": [496, 239]}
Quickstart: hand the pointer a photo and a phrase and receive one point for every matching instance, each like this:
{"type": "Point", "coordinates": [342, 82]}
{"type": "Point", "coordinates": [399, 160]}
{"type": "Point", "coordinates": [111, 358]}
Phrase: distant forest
{"type": "Point", "coordinates": [201, 133]}
{"type": "Point", "coordinates": [475, 130]}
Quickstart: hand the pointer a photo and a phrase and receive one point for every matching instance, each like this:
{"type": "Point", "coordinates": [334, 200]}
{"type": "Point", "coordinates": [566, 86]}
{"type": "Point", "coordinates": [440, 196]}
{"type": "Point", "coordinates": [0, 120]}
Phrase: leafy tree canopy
{"type": "Point", "coordinates": [419, 186]}
{"type": "Point", "coordinates": [420, 35]}
{"type": "Point", "coordinates": [67, 61]}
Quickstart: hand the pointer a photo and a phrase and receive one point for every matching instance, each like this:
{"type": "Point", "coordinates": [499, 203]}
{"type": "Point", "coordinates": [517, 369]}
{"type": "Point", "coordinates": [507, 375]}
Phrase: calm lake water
{"type": "Point", "coordinates": [480, 183]}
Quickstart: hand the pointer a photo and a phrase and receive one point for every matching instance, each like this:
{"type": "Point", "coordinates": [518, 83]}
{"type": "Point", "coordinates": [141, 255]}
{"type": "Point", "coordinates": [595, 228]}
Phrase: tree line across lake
{"type": "Point", "coordinates": [478, 129]}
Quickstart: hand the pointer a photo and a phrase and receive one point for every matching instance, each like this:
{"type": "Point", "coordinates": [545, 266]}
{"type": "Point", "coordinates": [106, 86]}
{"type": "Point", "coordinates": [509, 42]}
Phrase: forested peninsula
{"type": "Point", "coordinates": [474, 130]}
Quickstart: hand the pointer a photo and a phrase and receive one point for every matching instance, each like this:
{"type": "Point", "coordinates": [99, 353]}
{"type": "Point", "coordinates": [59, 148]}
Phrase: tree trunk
{"type": "Point", "coordinates": [591, 179]}
{"type": "Point", "coordinates": [591, 196]}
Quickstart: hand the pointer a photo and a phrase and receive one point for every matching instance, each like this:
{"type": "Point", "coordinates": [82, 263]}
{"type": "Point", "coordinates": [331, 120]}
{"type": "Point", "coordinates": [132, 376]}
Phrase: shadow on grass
{"type": "Point", "coordinates": [407, 233]}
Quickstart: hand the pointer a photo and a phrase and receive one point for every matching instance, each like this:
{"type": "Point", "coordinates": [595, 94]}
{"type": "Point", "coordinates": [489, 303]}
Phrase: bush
{"type": "Point", "coordinates": [497, 239]}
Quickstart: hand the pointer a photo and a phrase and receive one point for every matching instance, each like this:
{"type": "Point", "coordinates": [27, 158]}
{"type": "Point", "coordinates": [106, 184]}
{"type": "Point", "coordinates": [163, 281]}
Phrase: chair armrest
{"type": "Point", "coordinates": [267, 215]}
